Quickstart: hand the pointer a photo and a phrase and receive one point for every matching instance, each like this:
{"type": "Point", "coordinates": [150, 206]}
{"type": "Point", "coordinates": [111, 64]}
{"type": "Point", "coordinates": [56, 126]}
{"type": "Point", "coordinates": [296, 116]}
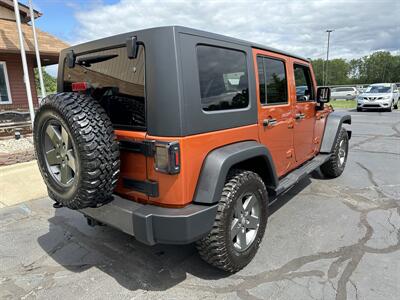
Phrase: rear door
{"type": "Point", "coordinates": [305, 111]}
{"type": "Point", "coordinates": [275, 117]}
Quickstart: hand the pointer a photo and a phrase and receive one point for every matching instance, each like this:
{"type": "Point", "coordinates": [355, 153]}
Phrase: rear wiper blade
{"type": "Point", "coordinates": [88, 61]}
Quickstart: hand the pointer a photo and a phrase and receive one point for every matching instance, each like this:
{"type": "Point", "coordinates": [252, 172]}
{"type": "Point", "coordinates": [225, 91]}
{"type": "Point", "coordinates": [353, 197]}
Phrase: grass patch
{"type": "Point", "coordinates": [343, 103]}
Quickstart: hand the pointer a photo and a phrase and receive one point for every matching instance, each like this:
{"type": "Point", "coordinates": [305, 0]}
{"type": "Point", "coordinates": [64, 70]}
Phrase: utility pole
{"type": "Point", "coordinates": [24, 63]}
{"type": "Point", "coordinates": [39, 65]}
{"type": "Point", "coordinates": [327, 56]}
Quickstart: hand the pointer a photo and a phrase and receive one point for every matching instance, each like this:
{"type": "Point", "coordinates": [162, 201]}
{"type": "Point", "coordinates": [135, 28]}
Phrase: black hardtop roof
{"type": "Point", "coordinates": [221, 37]}
{"type": "Point", "coordinates": [192, 31]}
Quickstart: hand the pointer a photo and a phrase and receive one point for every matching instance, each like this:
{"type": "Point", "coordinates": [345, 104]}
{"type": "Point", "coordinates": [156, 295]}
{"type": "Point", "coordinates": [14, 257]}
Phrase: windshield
{"type": "Point", "coordinates": [378, 89]}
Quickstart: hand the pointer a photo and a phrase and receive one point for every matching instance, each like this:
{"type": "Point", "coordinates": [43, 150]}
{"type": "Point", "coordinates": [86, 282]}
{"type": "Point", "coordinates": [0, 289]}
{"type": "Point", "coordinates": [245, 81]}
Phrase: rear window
{"type": "Point", "coordinates": [116, 81]}
{"type": "Point", "coordinates": [223, 78]}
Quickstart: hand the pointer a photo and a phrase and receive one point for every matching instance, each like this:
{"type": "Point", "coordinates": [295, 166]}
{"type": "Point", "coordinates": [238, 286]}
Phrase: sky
{"type": "Point", "coordinates": [360, 26]}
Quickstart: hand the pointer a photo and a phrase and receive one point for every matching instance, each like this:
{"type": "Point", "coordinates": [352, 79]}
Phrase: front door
{"type": "Point", "coordinates": [274, 108]}
{"type": "Point", "coordinates": [305, 111]}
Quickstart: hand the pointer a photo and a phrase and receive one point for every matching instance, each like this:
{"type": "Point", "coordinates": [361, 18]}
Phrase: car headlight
{"type": "Point", "coordinates": [386, 97]}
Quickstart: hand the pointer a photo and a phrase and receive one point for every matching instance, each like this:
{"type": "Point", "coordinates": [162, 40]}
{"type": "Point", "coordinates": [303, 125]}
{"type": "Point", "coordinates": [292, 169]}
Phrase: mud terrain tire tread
{"type": "Point", "coordinates": [215, 248]}
{"type": "Point", "coordinates": [97, 147]}
{"type": "Point", "coordinates": [331, 168]}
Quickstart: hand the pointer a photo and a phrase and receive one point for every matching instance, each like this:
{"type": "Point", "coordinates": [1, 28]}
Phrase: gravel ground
{"type": "Point", "coordinates": [13, 145]}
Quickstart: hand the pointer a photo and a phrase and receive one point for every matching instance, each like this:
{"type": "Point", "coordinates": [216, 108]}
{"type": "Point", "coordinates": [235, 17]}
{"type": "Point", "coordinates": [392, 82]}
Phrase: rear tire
{"type": "Point", "coordinates": [239, 225]}
{"type": "Point", "coordinates": [334, 167]}
{"type": "Point", "coordinates": [77, 150]}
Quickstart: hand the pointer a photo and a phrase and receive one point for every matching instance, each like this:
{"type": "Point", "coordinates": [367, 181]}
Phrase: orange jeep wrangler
{"type": "Point", "coordinates": [175, 135]}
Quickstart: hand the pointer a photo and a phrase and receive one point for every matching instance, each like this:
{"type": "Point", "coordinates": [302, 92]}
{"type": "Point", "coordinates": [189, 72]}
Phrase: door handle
{"type": "Point", "coordinates": [269, 122]}
{"type": "Point", "coordinates": [299, 116]}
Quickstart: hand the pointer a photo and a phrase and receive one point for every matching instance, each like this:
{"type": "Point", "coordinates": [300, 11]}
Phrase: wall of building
{"type": "Point", "coordinates": [16, 80]}
{"type": "Point", "coordinates": [6, 13]}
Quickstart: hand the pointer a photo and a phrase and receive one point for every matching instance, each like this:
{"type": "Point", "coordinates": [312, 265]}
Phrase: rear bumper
{"type": "Point", "coordinates": [153, 224]}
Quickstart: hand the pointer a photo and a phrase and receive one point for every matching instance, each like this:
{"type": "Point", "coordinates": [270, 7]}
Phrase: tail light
{"type": "Point", "coordinates": [79, 86]}
{"type": "Point", "coordinates": [167, 157]}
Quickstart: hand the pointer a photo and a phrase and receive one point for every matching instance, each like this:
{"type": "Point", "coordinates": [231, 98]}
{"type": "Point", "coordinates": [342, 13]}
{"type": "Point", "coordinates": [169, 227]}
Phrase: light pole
{"type": "Point", "coordinates": [24, 63]}
{"type": "Point", "coordinates": [327, 57]}
{"type": "Point", "coordinates": [39, 65]}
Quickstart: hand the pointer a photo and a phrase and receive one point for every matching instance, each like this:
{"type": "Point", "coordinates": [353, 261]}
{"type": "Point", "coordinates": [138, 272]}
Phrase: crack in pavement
{"type": "Point", "coordinates": [376, 152]}
{"type": "Point", "coordinates": [352, 253]}
{"type": "Point", "coordinates": [338, 275]}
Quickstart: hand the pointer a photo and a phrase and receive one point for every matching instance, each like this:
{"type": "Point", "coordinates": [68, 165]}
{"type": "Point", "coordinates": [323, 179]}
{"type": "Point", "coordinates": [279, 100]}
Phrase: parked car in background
{"type": "Point", "coordinates": [345, 93]}
{"type": "Point", "coordinates": [379, 95]}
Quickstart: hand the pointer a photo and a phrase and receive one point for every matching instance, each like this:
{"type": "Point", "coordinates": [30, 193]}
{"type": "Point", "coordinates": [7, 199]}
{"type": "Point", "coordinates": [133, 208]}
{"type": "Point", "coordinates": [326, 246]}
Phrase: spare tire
{"type": "Point", "coordinates": [77, 150]}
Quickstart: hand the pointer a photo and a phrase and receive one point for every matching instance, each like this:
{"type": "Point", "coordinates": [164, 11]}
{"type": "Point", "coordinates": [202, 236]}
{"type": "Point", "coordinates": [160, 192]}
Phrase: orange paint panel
{"type": "Point", "coordinates": [179, 189]}
{"type": "Point", "coordinates": [133, 166]}
{"type": "Point", "coordinates": [278, 138]}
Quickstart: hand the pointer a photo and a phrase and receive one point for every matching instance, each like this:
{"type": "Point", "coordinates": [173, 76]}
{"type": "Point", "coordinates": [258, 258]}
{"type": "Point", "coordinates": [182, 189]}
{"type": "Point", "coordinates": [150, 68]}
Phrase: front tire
{"type": "Point", "coordinates": [239, 225]}
{"type": "Point", "coordinates": [390, 108]}
{"type": "Point", "coordinates": [334, 167]}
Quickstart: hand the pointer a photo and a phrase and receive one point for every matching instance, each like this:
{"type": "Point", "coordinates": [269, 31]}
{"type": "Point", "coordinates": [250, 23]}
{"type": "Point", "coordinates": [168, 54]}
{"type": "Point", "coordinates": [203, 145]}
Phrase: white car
{"type": "Point", "coordinates": [379, 95]}
{"type": "Point", "coordinates": [345, 93]}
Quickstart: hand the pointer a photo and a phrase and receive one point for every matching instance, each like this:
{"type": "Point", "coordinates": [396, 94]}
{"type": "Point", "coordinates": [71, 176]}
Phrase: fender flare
{"type": "Point", "coordinates": [332, 127]}
{"type": "Point", "coordinates": [218, 163]}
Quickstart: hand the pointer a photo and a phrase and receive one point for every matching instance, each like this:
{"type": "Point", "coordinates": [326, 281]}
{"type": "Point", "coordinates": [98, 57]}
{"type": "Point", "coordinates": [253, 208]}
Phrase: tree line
{"type": "Point", "coordinates": [380, 66]}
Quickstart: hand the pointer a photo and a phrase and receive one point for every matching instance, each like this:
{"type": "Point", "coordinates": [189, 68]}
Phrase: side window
{"type": "Point", "coordinates": [261, 79]}
{"type": "Point", "coordinates": [304, 84]}
{"type": "Point", "coordinates": [272, 80]}
{"type": "Point", "coordinates": [223, 78]}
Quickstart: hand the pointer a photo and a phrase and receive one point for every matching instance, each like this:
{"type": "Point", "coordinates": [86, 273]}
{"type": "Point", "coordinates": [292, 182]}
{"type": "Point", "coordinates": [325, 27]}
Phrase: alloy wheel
{"type": "Point", "coordinates": [59, 152]}
{"type": "Point", "coordinates": [342, 152]}
{"type": "Point", "coordinates": [245, 222]}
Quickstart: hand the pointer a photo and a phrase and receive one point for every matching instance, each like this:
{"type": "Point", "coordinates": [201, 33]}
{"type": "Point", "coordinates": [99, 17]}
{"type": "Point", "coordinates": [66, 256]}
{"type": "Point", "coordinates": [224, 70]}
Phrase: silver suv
{"type": "Point", "coordinates": [345, 93]}
{"type": "Point", "coordinates": [379, 95]}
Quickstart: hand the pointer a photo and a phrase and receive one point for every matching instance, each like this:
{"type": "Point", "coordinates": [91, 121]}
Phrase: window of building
{"type": "Point", "coordinates": [223, 78]}
{"type": "Point", "coordinates": [5, 95]}
{"type": "Point", "coordinates": [272, 80]}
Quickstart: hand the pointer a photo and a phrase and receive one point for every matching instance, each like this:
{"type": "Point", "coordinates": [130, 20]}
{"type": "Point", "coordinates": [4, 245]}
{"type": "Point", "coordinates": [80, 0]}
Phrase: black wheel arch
{"type": "Point", "coordinates": [334, 123]}
{"type": "Point", "coordinates": [247, 155]}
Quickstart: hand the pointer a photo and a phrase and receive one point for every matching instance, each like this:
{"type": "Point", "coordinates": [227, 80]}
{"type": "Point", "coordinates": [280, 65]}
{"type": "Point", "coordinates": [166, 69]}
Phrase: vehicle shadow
{"type": "Point", "coordinates": [78, 247]}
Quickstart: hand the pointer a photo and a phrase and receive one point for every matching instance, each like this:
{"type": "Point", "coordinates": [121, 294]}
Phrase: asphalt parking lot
{"type": "Point", "coordinates": [326, 239]}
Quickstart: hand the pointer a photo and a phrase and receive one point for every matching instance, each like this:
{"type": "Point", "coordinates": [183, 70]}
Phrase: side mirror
{"type": "Point", "coordinates": [323, 94]}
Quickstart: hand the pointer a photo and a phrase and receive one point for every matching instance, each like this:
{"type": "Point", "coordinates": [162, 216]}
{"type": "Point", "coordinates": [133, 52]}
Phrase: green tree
{"type": "Point", "coordinates": [50, 83]}
{"type": "Point", "coordinates": [338, 71]}
{"type": "Point", "coordinates": [380, 66]}
{"type": "Point", "coordinates": [318, 67]}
